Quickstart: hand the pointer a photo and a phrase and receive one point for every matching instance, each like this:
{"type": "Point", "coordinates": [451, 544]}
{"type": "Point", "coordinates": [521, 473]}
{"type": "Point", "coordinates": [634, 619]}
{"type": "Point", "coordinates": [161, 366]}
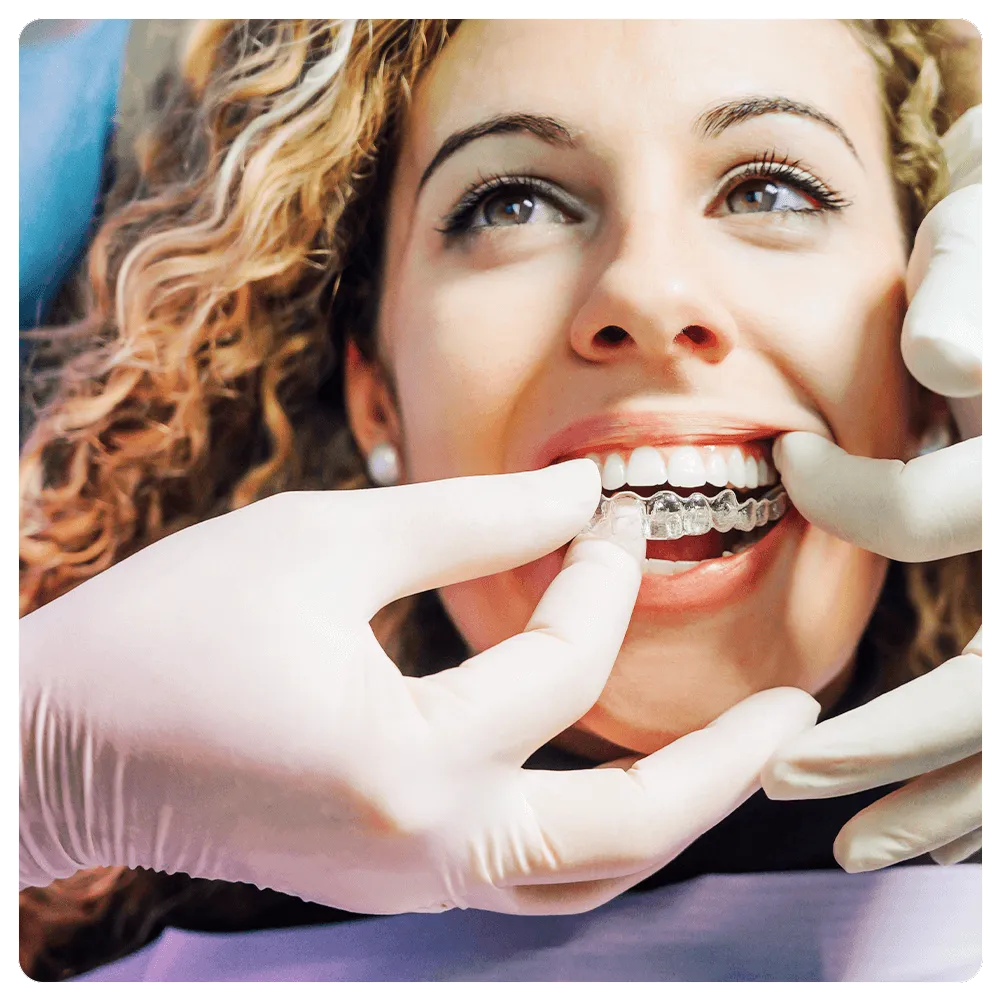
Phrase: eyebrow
{"type": "Point", "coordinates": [717, 119]}
{"type": "Point", "coordinates": [548, 129]}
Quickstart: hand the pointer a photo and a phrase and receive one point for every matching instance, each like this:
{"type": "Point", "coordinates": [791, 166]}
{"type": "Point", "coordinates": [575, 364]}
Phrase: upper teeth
{"type": "Point", "coordinates": [686, 465]}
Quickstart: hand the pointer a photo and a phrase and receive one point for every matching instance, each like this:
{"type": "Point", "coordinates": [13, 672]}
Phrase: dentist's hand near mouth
{"type": "Point", "coordinates": [931, 728]}
{"type": "Point", "coordinates": [218, 704]}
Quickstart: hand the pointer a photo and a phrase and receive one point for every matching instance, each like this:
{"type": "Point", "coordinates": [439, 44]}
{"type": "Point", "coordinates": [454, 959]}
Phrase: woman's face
{"type": "Point", "coordinates": [604, 236]}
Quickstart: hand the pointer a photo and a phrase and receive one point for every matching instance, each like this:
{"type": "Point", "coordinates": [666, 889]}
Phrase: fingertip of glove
{"type": "Point", "coordinates": [623, 528]}
{"type": "Point", "coordinates": [790, 707]}
{"type": "Point", "coordinates": [583, 471]}
{"type": "Point", "coordinates": [781, 781]}
{"type": "Point", "coordinates": [942, 365]}
{"type": "Point", "coordinates": [796, 448]}
{"type": "Point", "coordinates": [778, 452]}
{"type": "Point", "coordinates": [854, 862]}
{"type": "Point", "coordinates": [579, 479]}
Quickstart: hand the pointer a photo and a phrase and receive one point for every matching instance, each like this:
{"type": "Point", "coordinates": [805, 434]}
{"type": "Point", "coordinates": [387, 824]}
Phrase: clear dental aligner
{"type": "Point", "coordinates": [666, 516]}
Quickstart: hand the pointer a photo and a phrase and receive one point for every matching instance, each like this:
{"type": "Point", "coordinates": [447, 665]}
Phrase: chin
{"type": "Point", "coordinates": [800, 627]}
{"type": "Point", "coordinates": [795, 620]}
{"type": "Point", "coordinates": [649, 702]}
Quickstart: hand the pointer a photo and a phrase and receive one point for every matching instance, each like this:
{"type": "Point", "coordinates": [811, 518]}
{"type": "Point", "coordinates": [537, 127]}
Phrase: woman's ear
{"type": "Point", "coordinates": [371, 411]}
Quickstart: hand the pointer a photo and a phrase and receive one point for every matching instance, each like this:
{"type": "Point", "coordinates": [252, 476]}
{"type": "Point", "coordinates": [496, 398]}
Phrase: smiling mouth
{"type": "Point", "coordinates": [697, 504]}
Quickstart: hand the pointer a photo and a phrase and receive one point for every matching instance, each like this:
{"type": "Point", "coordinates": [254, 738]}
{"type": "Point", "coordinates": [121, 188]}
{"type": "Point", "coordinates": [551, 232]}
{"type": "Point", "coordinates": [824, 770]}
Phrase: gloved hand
{"type": "Point", "coordinates": [218, 704]}
{"type": "Point", "coordinates": [929, 508]}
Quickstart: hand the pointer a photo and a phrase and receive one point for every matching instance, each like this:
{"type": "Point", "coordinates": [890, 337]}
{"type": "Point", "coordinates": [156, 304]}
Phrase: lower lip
{"type": "Point", "coordinates": [717, 582]}
{"type": "Point", "coordinates": [705, 588]}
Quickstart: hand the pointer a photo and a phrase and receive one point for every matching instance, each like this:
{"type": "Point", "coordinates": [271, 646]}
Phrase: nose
{"type": "Point", "coordinates": [657, 297]}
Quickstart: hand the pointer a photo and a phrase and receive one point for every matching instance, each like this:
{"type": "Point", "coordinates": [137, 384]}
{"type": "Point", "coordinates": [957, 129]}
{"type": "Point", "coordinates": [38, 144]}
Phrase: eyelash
{"type": "Point", "coordinates": [765, 165]}
{"type": "Point", "coordinates": [459, 220]}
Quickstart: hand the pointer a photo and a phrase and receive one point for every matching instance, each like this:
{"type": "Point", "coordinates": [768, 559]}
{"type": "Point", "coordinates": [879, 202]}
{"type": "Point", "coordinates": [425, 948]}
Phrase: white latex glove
{"type": "Point", "coordinates": [931, 728]}
{"type": "Point", "coordinates": [218, 704]}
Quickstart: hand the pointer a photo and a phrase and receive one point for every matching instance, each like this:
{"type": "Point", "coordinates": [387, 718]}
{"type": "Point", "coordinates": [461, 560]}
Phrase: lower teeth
{"type": "Point", "coordinates": [671, 567]}
{"type": "Point", "coordinates": [668, 567]}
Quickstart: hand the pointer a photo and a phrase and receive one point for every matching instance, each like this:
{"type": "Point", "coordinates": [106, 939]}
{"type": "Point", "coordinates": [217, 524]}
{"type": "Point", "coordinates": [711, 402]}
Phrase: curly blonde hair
{"type": "Point", "coordinates": [203, 367]}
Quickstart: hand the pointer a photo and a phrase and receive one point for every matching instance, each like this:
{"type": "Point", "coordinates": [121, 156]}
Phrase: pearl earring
{"type": "Point", "coordinates": [383, 464]}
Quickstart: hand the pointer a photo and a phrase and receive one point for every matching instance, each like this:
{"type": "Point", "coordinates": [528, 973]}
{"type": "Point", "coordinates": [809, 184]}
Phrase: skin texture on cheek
{"type": "Point", "coordinates": [490, 347]}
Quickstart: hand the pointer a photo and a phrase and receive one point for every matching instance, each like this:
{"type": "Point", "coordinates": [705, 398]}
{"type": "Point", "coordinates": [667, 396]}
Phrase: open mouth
{"type": "Point", "coordinates": [698, 503]}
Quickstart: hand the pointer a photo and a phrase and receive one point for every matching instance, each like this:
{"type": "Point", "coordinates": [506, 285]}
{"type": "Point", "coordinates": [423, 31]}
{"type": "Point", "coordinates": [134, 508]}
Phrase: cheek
{"type": "Point", "coordinates": [837, 342]}
{"type": "Point", "coordinates": [466, 353]}
{"type": "Point", "coordinates": [493, 608]}
{"type": "Point", "coordinates": [832, 592]}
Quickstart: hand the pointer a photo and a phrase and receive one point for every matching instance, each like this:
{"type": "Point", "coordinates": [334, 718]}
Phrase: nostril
{"type": "Point", "coordinates": [698, 335]}
{"type": "Point", "coordinates": [612, 334]}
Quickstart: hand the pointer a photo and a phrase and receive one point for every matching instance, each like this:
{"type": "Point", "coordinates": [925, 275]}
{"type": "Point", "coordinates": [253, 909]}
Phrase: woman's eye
{"type": "Point", "coordinates": [762, 195]}
{"type": "Point", "coordinates": [502, 203]}
{"type": "Point", "coordinates": [514, 208]}
{"type": "Point", "coordinates": [508, 210]}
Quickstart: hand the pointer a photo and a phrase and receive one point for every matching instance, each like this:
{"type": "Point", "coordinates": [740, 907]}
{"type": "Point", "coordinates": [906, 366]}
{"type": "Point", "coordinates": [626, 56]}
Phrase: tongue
{"type": "Point", "coordinates": [689, 548]}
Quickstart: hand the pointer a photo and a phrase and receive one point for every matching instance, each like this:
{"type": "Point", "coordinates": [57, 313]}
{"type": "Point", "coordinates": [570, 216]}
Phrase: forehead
{"type": "Point", "coordinates": [606, 76]}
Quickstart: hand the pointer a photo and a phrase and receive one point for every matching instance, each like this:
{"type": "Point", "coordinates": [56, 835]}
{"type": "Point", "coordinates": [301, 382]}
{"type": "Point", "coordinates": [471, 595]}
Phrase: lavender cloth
{"type": "Point", "coordinates": [912, 924]}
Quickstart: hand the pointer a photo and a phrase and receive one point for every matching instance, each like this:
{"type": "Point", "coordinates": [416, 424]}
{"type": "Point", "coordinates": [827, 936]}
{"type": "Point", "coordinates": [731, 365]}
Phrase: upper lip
{"type": "Point", "coordinates": [632, 428]}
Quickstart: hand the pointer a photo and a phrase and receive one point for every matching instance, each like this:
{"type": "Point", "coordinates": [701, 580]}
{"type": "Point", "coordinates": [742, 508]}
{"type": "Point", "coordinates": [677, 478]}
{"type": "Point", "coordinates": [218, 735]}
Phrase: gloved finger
{"type": "Point", "coordinates": [572, 897]}
{"type": "Point", "coordinates": [578, 897]}
{"type": "Point", "coordinates": [959, 849]}
{"type": "Point", "coordinates": [611, 823]}
{"type": "Point", "coordinates": [427, 535]}
{"type": "Point", "coordinates": [942, 338]}
{"type": "Point", "coordinates": [929, 812]}
{"type": "Point", "coordinates": [929, 508]}
{"type": "Point", "coordinates": [517, 695]}
{"type": "Point", "coordinates": [928, 722]}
